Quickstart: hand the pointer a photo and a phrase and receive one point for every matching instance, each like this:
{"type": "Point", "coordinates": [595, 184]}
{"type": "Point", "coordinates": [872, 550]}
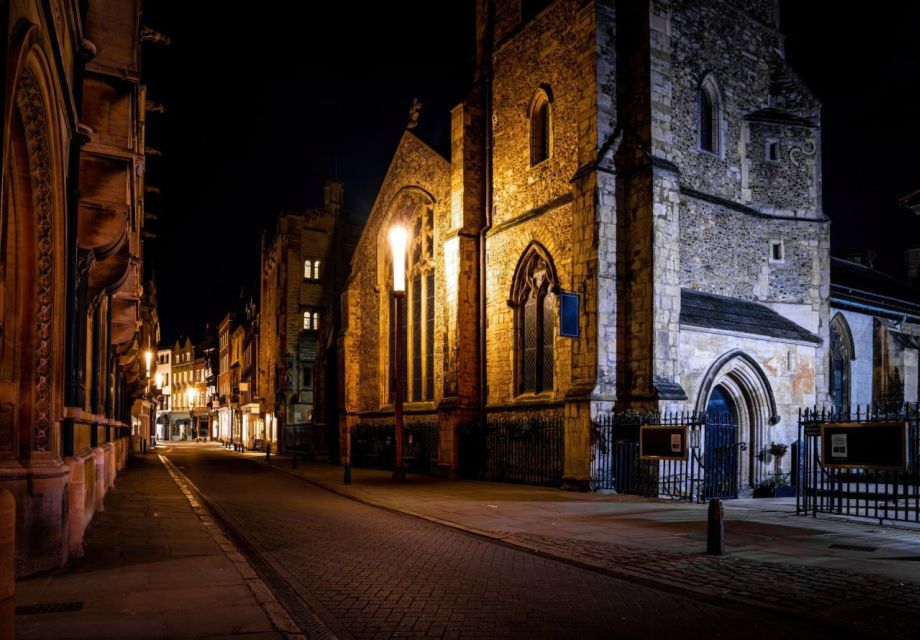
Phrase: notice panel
{"type": "Point", "coordinates": [663, 442]}
{"type": "Point", "coordinates": [864, 445]}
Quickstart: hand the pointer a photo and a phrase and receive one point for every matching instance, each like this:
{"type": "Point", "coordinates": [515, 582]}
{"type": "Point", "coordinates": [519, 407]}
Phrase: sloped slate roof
{"type": "Point", "coordinates": [712, 311]}
{"type": "Point", "coordinates": [857, 283]}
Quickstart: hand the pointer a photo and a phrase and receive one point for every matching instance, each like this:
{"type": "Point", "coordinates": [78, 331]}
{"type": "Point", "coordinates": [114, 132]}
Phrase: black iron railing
{"type": "Point", "coordinates": [306, 441]}
{"type": "Point", "coordinates": [372, 447]}
{"type": "Point", "coordinates": [710, 469]}
{"type": "Point", "coordinates": [878, 494]}
{"type": "Point", "coordinates": [527, 451]}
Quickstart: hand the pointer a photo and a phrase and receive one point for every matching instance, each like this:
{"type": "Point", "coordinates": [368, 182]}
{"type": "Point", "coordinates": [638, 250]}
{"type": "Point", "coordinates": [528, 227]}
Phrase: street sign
{"type": "Point", "coordinates": [864, 445]}
{"type": "Point", "coordinates": [663, 442]}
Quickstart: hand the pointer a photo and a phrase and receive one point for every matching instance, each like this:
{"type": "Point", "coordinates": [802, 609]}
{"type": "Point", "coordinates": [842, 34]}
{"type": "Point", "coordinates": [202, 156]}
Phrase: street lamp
{"type": "Point", "coordinates": [399, 238]}
{"type": "Point", "coordinates": [190, 394]}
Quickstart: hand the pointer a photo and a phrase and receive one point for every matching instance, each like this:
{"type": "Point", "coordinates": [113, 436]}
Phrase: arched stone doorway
{"type": "Point", "coordinates": [736, 389]}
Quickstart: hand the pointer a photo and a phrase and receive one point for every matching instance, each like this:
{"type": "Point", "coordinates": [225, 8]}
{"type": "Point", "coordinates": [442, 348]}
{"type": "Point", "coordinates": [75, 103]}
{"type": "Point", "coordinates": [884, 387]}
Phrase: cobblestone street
{"type": "Point", "coordinates": [370, 573]}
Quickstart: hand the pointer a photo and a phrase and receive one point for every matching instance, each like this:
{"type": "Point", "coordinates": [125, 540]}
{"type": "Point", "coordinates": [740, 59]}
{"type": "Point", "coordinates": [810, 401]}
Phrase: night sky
{"type": "Point", "coordinates": [265, 103]}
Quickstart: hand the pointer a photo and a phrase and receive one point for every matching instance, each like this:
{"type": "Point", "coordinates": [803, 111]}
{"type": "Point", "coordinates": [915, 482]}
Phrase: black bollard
{"type": "Point", "coordinates": [347, 478]}
{"type": "Point", "coordinates": [715, 530]}
{"type": "Point", "coordinates": [268, 453]}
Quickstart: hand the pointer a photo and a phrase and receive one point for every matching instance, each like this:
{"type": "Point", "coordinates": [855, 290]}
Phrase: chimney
{"type": "Point", "coordinates": [333, 195]}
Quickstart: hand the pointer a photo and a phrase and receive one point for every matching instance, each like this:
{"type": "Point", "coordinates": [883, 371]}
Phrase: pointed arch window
{"type": "Point", "coordinates": [540, 127]}
{"type": "Point", "coordinates": [534, 301]}
{"type": "Point", "coordinates": [710, 116]}
{"type": "Point", "coordinates": [841, 353]}
{"type": "Point", "coordinates": [417, 330]}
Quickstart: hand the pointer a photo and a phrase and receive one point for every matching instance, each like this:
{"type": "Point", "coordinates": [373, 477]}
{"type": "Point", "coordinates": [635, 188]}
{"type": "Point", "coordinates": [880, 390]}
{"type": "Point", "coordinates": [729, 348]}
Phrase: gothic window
{"type": "Point", "coordinates": [710, 116]}
{"type": "Point", "coordinates": [540, 127]}
{"type": "Point", "coordinates": [534, 301]}
{"type": "Point", "coordinates": [417, 330]}
{"type": "Point", "coordinates": [841, 354]}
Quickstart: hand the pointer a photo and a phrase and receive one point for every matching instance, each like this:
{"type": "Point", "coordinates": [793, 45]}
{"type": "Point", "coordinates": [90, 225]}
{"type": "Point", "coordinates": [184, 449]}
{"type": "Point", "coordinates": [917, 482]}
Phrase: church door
{"type": "Point", "coordinates": [720, 447]}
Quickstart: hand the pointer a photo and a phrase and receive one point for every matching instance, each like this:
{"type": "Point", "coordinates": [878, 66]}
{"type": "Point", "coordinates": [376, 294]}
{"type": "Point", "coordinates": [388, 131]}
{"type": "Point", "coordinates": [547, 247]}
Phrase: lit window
{"type": "Point", "coordinates": [308, 270]}
{"type": "Point", "coordinates": [316, 269]}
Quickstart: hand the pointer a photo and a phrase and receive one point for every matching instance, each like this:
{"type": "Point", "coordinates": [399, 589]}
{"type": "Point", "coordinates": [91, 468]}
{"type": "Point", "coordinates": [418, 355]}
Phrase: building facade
{"type": "Point", "coordinates": [663, 182]}
{"type": "Point", "coordinates": [294, 300]}
{"type": "Point", "coordinates": [71, 298]}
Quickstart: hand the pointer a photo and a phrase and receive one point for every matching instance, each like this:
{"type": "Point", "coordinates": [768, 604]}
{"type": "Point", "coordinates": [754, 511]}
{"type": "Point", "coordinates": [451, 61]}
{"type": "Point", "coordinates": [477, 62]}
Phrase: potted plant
{"type": "Point", "coordinates": [777, 486]}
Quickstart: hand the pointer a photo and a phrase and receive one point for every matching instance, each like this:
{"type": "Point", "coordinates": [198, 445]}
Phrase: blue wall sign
{"type": "Point", "coordinates": [568, 315]}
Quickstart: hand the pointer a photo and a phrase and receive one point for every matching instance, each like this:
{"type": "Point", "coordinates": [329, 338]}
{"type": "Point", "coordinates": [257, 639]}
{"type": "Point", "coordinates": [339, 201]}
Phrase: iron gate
{"type": "Point", "coordinates": [710, 470]}
{"type": "Point", "coordinates": [863, 493]}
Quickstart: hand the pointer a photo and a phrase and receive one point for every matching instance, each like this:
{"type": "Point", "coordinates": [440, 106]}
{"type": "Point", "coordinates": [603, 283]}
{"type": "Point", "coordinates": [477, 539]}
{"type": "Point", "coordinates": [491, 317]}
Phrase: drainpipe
{"type": "Point", "coordinates": [487, 200]}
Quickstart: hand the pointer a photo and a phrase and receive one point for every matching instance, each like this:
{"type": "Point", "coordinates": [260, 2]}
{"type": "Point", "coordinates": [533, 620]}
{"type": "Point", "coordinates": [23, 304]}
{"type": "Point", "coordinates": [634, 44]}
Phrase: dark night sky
{"type": "Point", "coordinates": [263, 105]}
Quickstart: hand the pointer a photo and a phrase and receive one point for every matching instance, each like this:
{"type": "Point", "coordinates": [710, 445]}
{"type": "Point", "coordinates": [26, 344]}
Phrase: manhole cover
{"type": "Point", "coordinates": [47, 607]}
{"type": "Point", "coordinates": [852, 547]}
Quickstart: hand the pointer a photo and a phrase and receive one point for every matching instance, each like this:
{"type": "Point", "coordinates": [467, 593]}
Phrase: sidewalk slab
{"type": "Point", "coordinates": [152, 568]}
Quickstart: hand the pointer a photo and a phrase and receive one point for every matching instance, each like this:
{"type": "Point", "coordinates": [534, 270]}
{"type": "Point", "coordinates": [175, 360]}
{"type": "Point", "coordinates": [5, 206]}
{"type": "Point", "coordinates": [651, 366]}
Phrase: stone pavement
{"type": "Point", "coordinates": [373, 573]}
{"type": "Point", "coordinates": [155, 566]}
{"type": "Point", "coordinates": [858, 576]}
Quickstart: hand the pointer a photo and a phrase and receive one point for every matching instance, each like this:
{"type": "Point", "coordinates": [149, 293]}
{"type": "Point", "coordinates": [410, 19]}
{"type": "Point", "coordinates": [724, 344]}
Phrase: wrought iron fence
{"type": "Point", "coordinates": [373, 447]}
{"type": "Point", "coordinates": [526, 451]}
{"type": "Point", "coordinates": [879, 494]}
{"type": "Point", "coordinates": [305, 440]}
{"type": "Point", "coordinates": [710, 469]}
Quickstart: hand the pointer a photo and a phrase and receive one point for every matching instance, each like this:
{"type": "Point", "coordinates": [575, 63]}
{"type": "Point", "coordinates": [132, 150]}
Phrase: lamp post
{"type": "Point", "coordinates": [148, 359]}
{"type": "Point", "coordinates": [398, 240]}
{"type": "Point", "coordinates": [190, 394]}
{"type": "Point", "coordinates": [158, 381]}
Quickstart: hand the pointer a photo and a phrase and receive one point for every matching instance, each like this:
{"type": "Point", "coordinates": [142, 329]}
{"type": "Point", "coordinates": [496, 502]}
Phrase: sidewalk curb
{"type": "Point", "coordinates": [710, 596]}
{"type": "Point", "coordinates": [274, 611]}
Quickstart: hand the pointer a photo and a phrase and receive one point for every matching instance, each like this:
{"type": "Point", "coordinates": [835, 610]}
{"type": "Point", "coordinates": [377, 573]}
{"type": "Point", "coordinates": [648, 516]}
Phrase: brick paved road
{"type": "Point", "coordinates": [372, 573]}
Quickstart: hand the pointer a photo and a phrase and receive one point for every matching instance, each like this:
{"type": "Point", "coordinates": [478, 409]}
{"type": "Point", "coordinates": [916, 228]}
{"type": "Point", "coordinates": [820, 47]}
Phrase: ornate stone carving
{"type": "Point", "coordinates": [31, 108]}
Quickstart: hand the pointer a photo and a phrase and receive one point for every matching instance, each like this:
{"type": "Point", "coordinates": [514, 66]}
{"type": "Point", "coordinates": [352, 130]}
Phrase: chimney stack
{"type": "Point", "coordinates": [333, 195]}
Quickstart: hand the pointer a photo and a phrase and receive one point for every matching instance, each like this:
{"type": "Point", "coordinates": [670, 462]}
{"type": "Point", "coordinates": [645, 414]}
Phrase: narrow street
{"type": "Point", "coordinates": [367, 572]}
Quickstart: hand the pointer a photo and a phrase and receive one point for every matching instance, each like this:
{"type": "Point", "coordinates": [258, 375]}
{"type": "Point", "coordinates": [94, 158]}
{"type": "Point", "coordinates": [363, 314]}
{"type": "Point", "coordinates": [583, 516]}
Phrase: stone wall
{"type": "Point", "coordinates": [416, 169]}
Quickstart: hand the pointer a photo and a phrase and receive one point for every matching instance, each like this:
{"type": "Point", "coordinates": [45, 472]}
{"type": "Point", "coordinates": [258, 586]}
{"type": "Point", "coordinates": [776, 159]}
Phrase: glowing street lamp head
{"type": "Point", "coordinates": [399, 238]}
{"type": "Point", "coordinates": [148, 358]}
{"type": "Point", "coordinates": [190, 393]}
{"type": "Point", "coordinates": [158, 380]}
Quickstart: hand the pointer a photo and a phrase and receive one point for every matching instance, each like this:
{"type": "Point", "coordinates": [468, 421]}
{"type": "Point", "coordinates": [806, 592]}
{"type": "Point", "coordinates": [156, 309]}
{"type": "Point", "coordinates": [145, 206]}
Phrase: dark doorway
{"type": "Point", "coordinates": [720, 447]}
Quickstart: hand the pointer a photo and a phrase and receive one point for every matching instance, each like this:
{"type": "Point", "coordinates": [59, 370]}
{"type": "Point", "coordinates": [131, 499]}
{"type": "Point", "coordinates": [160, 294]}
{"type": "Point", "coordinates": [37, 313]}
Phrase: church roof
{"type": "Point", "coordinates": [858, 286]}
{"type": "Point", "coordinates": [712, 311]}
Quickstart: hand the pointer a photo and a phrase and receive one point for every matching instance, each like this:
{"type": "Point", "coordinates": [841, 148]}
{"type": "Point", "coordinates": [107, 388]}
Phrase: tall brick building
{"type": "Point", "coordinates": [658, 160]}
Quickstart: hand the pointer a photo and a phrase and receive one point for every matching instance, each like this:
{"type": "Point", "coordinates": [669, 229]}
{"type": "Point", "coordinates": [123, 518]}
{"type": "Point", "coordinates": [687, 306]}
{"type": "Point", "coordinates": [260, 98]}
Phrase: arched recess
{"type": "Point", "coordinates": [747, 389]}
{"type": "Point", "coordinates": [32, 235]}
{"type": "Point", "coordinates": [414, 208]}
{"type": "Point", "coordinates": [710, 126]}
{"type": "Point", "coordinates": [842, 353]}
{"type": "Point", "coordinates": [540, 119]}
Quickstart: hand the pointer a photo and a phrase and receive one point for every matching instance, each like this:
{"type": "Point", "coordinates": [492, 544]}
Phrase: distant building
{"type": "Point", "coordinates": [182, 390]}
{"type": "Point", "coordinates": [295, 301]}
{"type": "Point", "coordinates": [224, 386]}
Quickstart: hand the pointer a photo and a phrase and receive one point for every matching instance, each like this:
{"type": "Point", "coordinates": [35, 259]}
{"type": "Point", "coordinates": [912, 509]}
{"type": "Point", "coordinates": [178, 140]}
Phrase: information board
{"type": "Point", "coordinates": [663, 442]}
{"type": "Point", "coordinates": [864, 445]}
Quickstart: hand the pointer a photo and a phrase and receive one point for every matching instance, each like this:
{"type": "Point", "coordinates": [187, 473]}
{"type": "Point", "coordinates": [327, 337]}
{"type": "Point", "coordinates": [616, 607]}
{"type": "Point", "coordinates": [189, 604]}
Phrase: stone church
{"type": "Point", "coordinates": [655, 164]}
